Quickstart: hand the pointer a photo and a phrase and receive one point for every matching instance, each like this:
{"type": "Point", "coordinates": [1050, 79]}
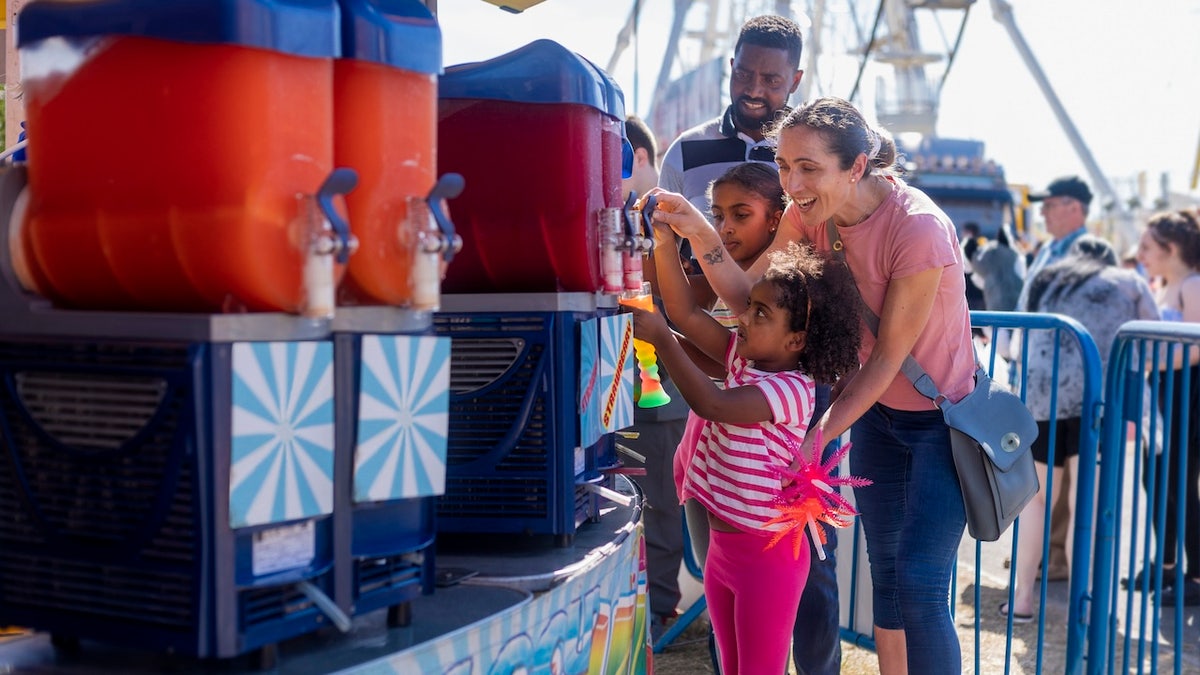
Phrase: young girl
{"type": "Point", "coordinates": [801, 324]}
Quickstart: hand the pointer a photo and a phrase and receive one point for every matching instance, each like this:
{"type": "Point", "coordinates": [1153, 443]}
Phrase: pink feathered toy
{"type": "Point", "coordinates": [809, 495]}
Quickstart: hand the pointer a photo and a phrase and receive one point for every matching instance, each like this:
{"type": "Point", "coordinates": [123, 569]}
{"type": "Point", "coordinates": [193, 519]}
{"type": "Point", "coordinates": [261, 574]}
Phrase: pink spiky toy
{"type": "Point", "coordinates": [809, 495]}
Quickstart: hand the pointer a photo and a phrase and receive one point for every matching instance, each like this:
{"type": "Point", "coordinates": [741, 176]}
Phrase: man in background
{"type": "Point", "coordinates": [971, 241]}
{"type": "Point", "coordinates": [765, 72]}
{"type": "Point", "coordinates": [1064, 208]}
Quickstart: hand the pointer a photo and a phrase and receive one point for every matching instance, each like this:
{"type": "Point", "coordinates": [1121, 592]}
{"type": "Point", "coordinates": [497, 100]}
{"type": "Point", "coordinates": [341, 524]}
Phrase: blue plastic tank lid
{"type": "Point", "coordinates": [300, 27]}
{"type": "Point", "coordinates": [400, 33]}
{"type": "Point", "coordinates": [542, 71]}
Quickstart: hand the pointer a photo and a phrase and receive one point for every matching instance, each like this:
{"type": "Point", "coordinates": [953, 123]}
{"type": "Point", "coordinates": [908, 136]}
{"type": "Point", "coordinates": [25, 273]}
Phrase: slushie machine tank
{"type": "Point", "coordinates": [173, 162]}
{"type": "Point", "coordinates": [538, 135]}
{"type": "Point", "coordinates": [391, 373]}
{"type": "Point", "coordinates": [186, 404]}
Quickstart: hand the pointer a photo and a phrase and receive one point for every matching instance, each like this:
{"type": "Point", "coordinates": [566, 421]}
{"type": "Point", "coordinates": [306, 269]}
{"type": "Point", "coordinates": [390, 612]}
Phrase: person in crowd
{"type": "Point", "coordinates": [799, 326]}
{"type": "Point", "coordinates": [1169, 250]}
{"type": "Point", "coordinates": [644, 176]}
{"type": "Point", "coordinates": [972, 239]}
{"type": "Point", "coordinates": [1089, 286]}
{"type": "Point", "coordinates": [903, 252]}
{"type": "Point", "coordinates": [1000, 272]}
{"type": "Point", "coordinates": [1065, 204]}
{"type": "Point", "coordinates": [655, 434]}
{"type": "Point", "coordinates": [765, 72]}
{"type": "Point", "coordinates": [1065, 208]}
{"type": "Point", "coordinates": [1130, 261]}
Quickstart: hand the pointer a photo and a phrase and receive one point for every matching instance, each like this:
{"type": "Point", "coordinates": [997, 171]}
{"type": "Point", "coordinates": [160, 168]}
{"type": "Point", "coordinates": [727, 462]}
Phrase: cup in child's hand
{"type": "Point", "coordinates": [651, 394]}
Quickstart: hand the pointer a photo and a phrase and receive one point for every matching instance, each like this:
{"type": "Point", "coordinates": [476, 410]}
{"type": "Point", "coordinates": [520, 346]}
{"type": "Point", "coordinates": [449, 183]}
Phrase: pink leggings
{"type": "Point", "coordinates": [752, 599]}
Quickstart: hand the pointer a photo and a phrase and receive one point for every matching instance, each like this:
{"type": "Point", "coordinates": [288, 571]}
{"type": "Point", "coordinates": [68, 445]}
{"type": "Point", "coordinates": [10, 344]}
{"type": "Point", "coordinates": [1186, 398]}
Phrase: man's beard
{"type": "Point", "coordinates": [749, 123]}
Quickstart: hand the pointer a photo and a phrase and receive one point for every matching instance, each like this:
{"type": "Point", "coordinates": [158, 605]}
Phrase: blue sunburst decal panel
{"type": "Point", "coordinates": [282, 447]}
{"type": "Point", "coordinates": [403, 417]}
{"type": "Point", "coordinates": [616, 370]}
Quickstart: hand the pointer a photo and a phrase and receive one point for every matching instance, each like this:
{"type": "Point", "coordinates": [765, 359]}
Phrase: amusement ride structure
{"type": "Point", "coordinates": [892, 58]}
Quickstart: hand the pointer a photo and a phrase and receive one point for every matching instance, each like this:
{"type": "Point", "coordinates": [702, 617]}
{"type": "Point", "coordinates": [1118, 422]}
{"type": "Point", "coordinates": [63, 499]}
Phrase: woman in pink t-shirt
{"type": "Point", "coordinates": [905, 257]}
{"type": "Point", "coordinates": [800, 325]}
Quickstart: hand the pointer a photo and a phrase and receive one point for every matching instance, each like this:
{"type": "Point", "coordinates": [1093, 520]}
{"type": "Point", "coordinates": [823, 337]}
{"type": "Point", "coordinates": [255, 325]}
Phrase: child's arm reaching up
{"type": "Point", "coordinates": [696, 324]}
{"type": "Point", "coordinates": [737, 405]}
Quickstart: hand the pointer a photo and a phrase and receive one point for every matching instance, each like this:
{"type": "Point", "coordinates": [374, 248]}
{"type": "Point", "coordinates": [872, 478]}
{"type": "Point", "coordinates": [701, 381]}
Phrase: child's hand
{"type": "Point", "coordinates": [650, 326]}
{"type": "Point", "coordinates": [681, 215]}
{"type": "Point", "coordinates": [808, 451]}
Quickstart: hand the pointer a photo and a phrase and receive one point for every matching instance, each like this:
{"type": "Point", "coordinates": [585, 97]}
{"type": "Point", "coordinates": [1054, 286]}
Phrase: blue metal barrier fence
{"type": "Point", "coordinates": [1073, 354]}
{"type": "Point", "coordinates": [1144, 614]}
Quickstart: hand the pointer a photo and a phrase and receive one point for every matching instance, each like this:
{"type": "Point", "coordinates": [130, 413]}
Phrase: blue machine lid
{"type": "Point", "coordinates": [300, 27]}
{"type": "Point", "coordinates": [400, 33]}
{"type": "Point", "coordinates": [542, 71]}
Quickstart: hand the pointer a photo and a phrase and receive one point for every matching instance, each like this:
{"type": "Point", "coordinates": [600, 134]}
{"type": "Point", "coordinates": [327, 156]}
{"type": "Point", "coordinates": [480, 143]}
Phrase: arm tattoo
{"type": "Point", "coordinates": [716, 255]}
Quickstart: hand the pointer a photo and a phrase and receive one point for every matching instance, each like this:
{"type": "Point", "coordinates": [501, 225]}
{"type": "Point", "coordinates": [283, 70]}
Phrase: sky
{"type": "Point", "coordinates": [1124, 71]}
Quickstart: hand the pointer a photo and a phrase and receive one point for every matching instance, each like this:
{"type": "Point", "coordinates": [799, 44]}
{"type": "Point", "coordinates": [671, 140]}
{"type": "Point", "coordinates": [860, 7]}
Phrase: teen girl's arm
{"type": "Point", "coordinates": [738, 405]}
{"type": "Point", "coordinates": [906, 310]}
{"type": "Point", "coordinates": [689, 318]}
{"type": "Point", "coordinates": [730, 281]}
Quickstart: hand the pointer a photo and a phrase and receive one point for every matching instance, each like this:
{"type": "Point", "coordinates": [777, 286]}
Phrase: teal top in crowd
{"type": "Point", "coordinates": [299, 27]}
{"type": "Point", "coordinates": [399, 33]}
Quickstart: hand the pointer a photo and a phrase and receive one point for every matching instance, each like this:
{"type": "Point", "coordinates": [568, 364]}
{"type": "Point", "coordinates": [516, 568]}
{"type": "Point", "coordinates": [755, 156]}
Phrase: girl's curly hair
{"type": "Point", "coordinates": [819, 294]}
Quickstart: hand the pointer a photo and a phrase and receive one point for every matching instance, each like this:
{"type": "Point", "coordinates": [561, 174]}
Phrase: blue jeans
{"type": "Point", "coordinates": [913, 520]}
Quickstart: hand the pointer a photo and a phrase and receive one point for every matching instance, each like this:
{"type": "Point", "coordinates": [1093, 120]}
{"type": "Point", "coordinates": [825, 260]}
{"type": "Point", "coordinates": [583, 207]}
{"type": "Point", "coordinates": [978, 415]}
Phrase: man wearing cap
{"type": "Point", "coordinates": [1064, 208]}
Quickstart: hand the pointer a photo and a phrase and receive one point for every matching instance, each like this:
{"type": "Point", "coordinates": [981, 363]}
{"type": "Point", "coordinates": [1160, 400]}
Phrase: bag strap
{"type": "Point", "coordinates": [911, 369]}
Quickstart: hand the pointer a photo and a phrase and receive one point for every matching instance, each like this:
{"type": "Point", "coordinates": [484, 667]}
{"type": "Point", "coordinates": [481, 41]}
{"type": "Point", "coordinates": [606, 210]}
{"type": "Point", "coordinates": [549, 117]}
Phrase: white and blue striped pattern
{"type": "Point", "coordinates": [282, 446]}
{"type": "Point", "coordinates": [403, 417]}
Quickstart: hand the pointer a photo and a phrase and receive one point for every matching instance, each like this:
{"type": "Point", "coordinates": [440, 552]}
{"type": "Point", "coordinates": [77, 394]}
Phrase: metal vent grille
{"type": "Point", "coordinates": [391, 572]}
{"type": "Point", "coordinates": [481, 362]}
{"type": "Point", "coordinates": [97, 495]}
{"type": "Point", "coordinates": [480, 423]}
{"type": "Point", "coordinates": [500, 383]}
{"type": "Point", "coordinates": [495, 498]}
{"type": "Point", "coordinates": [86, 491]}
{"type": "Point", "coordinates": [271, 605]}
{"type": "Point", "coordinates": [80, 588]}
{"type": "Point", "coordinates": [586, 504]}
{"type": "Point", "coordinates": [88, 410]}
